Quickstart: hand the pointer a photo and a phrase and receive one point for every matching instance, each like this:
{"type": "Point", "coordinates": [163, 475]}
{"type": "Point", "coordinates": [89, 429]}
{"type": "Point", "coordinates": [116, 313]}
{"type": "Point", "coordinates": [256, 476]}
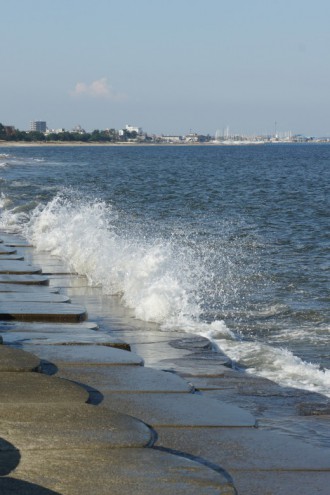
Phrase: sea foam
{"type": "Point", "coordinates": [162, 279]}
{"type": "Point", "coordinates": [277, 364]}
{"type": "Point", "coordinates": [155, 277]}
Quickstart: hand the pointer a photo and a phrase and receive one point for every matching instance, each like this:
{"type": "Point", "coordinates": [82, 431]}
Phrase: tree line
{"type": "Point", "coordinates": [8, 133]}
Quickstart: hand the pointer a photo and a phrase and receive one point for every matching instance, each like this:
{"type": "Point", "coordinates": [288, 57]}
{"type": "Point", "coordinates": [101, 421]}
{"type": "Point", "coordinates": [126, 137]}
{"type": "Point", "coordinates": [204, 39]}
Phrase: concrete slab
{"type": "Point", "coordinates": [15, 257]}
{"type": "Point", "coordinates": [43, 256]}
{"type": "Point", "coordinates": [155, 346]}
{"type": "Point", "coordinates": [44, 311]}
{"type": "Point", "coordinates": [69, 426]}
{"type": "Point", "coordinates": [10, 237]}
{"type": "Point", "coordinates": [192, 343]}
{"type": "Point", "coordinates": [83, 337]}
{"type": "Point", "coordinates": [123, 472]}
{"type": "Point", "coordinates": [194, 365]}
{"type": "Point", "coordinates": [37, 388]}
{"type": "Point", "coordinates": [22, 243]}
{"type": "Point", "coordinates": [17, 287]}
{"type": "Point", "coordinates": [57, 269]}
{"type": "Point", "coordinates": [7, 250]}
{"type": "Point", "coordinates": [123, 379]}
{"type": "Point", "coordinates": [49, 328]}
{"type": "Point", "coordinates": [24, 279]}
{"type": "Point", "coordinates": [246, 448]}
{"type": "Point", "coordinates": [10, 486]}
{"type": "Point", "coordinates": [49, 263]}
{"type": "Point", "coordinates": [191, 410]}
{"type": "Point", "coordinates": [68, 281]}
{"type": "Point", "coordinates": [148, 336]}
{"type": "Point", "coordinates": [49, 266]}
{"type": "Point", "coordinates": [276, 408]}
{"type": "Point", "coordinates": [34, 297]}
{"type": "Point", "coordinates": [281, 482]}
{"type": "Point", "coordinates": [18, 267]}
{"type": "Point", "coordinates": [232, 379]}
{"type": "Point", "coordinates": [153, 353]}
{"type": "Point", "coordinates": [17, 360]}
{"type": "Point", "coordinates": [94, 355]}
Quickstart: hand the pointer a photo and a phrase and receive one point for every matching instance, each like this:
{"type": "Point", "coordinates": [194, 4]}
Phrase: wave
{"type": "Point", "coordinates": [4, 201]}
{"type": "Point", "coordinates": [163, 278]}
{"type": "Point", "coordinates": [277, 364]}
{"type": "Point", "coordinates": [158, 278]}
{"type": "Point", "coordinates": [11, 219]}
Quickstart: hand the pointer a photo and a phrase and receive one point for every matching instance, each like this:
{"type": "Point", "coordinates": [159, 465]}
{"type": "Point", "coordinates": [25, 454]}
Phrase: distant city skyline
{"type": "Point", "coordinates": [167, 66]}
{"type": "Point", "coordinates": [42, 126]}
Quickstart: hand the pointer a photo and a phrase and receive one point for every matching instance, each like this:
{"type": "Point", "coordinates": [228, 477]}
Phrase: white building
{"type": "Point", "coordinates": [171, 139]}
{"type": "Point", "coordinates": [192, 137]}
{"type": "Point", "coordinates": [78, 129]}
{"type": "Point", "coordinates": [132, 128]}
{"type": "Point", "coordinates": [55, 131]}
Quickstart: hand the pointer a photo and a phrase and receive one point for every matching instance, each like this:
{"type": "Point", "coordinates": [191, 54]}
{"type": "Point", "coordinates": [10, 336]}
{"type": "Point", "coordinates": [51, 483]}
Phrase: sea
{"type": "Point", "coordinates": [228, 242]}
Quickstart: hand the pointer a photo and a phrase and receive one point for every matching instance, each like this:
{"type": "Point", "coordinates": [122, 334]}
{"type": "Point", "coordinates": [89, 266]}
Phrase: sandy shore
{"type": "Point", "coordinates": [20, 144]}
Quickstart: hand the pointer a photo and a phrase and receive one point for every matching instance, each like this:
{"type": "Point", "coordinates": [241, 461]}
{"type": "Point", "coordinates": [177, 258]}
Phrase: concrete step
{"type": "Point", "coordinates": [59, 312]}
{"type": "Point", "coordinates": [103, 472]}
{"type": "Point", "coordinates": [93, 355]}
{"type": "Point", "coordinates": [260, 461]}
{"type": "Point", "coordinates": [24, 279]}
{"type": "Point", "coordinates": [11, 257]}
{"type": "Point", "coordinates": [48, 328]}
{"type": "Point", "coordinates": [17, 360]}
{"type": "Point", "coordinates": [189, 410]}
{"type": "Point", "coordinates": [18, 267]}
{"type": "Point", "coordinates": [125, 379]}
{"type": "Point", "coordinates": [37, 388]}
{"type": "Point", "coordinates": [32, 297]}
{"type": "Point", "coordinates": [16, 242]}
{"type": "Point", "coordinates": [197, 364]}
{"type": "Point", "coordinates": [7, 250]}
{"type": "Point", "coordinates": [82, 337]}
{"type": "Point", "coordinates": [68, 426]}
{"type": "Point", "coordinates": [68, 281]}
{"type": "Point", "coordinates": [21, 287]}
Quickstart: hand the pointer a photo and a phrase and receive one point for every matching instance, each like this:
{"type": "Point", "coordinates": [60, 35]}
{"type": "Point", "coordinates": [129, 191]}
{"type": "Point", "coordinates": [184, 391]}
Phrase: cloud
{"type": "Point", "coordinates": [97, 89]}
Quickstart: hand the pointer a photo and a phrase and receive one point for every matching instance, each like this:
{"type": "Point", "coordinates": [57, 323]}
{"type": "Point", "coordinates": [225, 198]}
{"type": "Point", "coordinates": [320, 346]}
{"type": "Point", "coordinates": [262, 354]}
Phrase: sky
{"type": "Point", "coordinates": [170, 67]}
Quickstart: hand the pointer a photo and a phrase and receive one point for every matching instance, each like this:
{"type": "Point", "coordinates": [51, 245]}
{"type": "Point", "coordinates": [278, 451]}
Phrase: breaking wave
{"type": "Point", "coordinates": [166, 279]}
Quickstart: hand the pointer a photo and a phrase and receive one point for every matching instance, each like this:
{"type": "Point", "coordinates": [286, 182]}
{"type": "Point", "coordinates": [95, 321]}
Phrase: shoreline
{"type": "Point", "coordinates": [257, 458]}
{"type": "Point", "coordinates": [40, 144]}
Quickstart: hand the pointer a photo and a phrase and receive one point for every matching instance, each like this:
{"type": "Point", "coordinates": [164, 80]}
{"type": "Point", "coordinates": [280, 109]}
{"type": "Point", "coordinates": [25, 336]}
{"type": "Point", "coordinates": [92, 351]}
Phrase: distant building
{"type": "Point", "coordinates": [132, 128]}
{"type": "Point", "coordinates": [9, 130]}
{"type": "Point", "coordinates": [192, 137]}
{"type": "Point", "coordinates": [54, 131]}
{"type": "Point", "coordinates": [78, 129]}
{"type": "Point", "coordinates": [38, 125]}
{"type": "Point", "coordinates": [171, 139]}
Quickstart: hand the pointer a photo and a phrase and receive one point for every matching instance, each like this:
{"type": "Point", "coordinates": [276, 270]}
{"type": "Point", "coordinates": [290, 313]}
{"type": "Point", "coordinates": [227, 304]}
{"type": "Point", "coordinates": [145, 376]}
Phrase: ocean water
{"type": "Point", "coordinates": [228, 242]}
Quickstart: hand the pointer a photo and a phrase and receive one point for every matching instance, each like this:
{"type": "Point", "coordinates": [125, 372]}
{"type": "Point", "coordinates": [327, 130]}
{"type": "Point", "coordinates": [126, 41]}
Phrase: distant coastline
{"type": "Point", "coordinates": [66, 144]}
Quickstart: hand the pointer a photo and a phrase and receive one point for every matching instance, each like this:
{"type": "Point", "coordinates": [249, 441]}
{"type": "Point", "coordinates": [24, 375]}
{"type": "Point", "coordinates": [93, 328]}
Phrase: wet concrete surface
{"type": "Point", "coordinates": [208, 428]}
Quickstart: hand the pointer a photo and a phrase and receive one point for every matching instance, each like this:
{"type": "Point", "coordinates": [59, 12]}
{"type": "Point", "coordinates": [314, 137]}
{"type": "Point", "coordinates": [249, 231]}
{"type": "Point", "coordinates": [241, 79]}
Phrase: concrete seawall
{"type": "Point", "coordinates": [92, 406]}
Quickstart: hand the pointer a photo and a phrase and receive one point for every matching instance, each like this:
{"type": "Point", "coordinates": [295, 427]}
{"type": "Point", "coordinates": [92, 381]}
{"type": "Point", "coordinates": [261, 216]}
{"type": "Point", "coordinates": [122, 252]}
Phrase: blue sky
{"type": "Point", "coordinates": [167, 66]}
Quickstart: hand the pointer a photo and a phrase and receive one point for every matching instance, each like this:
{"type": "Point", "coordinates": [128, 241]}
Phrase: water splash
{"type": "Point", "coordinates": [156, 277]}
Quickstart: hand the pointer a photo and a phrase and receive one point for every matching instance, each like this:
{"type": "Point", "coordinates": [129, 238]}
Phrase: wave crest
{"type": "Point", "coordinates": [154, 276]}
